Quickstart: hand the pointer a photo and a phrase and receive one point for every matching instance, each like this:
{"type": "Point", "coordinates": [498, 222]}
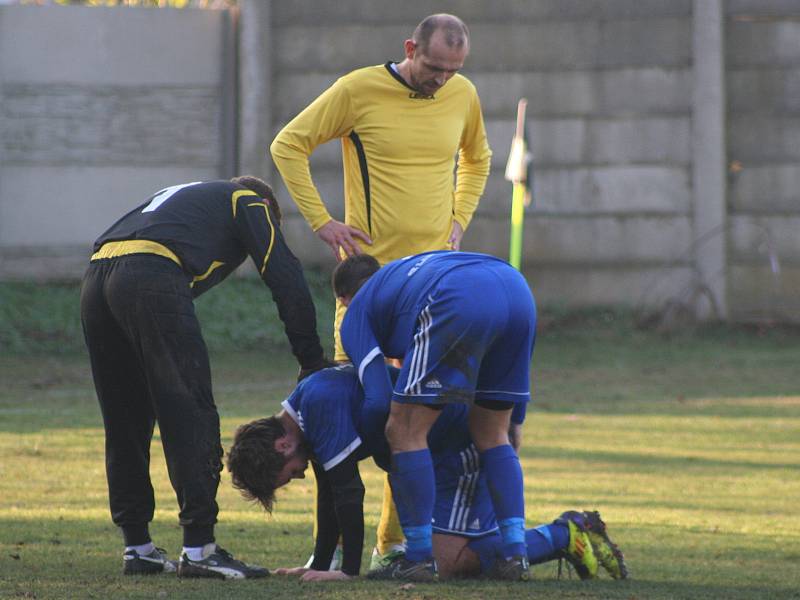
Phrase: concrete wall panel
{"type": "Point", "coordinates": [763, 43]}
{"type": "Point", "coordinates": [772, 8]}
{"type": "Point", "coordinates": [412, 11]}
{"type": "Point", "coordinates": [765, 189]}
{"type": "Point", "coordinates": [115, 125]}
{"type": "Point", "coordinates": [591, 141]}
{"type": "Point", "coordinates": [294, 91]}
{"type": "Point", "coordinates": [590, 241]}
{"type": "Point", "coordinates": [661, 140]}
{"type": "Point", "coordinates": [109, 46]}
{"type": "Point", "coordinates": [73, 205]}
{"type": "Point", "coordinates": [570, 93]}
{"type": "Point", "coordinates": [757, 293]}
{"type": "Point", "coordinates": [43, 262]}
{"type": "Point", "coordinates": [765, 241]}
{"type": "Point", "coordinates": [764, 90]}
{"type": "Point", "coordinates": [633, 287]}
{"type": "Point", "coordinates": [552, 141]}
{"type": "Point", "coordinates": [99, 108]}
{"type": "Point", "coordinates": [555, 45]}
{"type": "Point", "coordinates": [581, 45]}
{"type": "Point", "coordinates": [762, 139]}
{"type": "Point", "coordinates": [599, 190]}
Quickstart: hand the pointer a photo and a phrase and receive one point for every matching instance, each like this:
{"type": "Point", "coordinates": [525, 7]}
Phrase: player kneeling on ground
{"type": "Point", "coordinates": [321, 422]}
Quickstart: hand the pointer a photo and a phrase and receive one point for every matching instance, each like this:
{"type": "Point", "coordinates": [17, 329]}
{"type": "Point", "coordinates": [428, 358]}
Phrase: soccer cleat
{"type": "Point", "coordinates": [378, 561]}
{"type": "Point", "coordinates": [515, 568]}
{"type": "Point", "coordinates": [579, 553]}
{"type": "Point", "coordinates": [608, 553]}
{"type": "Point", "coordinates": [219, 564]}
{"type": "Point", "coordinates": [156, 562]}
{"type": "Point", "coordinates": [423, 571]}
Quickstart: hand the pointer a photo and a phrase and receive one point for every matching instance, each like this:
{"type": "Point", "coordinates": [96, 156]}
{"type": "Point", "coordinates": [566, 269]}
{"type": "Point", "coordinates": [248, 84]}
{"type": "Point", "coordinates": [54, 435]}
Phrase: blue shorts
{"type": "Point", "coordinates": [463, 505]}
{"type": "Point", "coordinates": [473, 340]}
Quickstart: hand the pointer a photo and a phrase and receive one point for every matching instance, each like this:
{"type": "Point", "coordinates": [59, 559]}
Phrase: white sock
{"type": "Point", "coordinates": [199, 552]}
{"type": "Point", "coordinates": [142, 550]}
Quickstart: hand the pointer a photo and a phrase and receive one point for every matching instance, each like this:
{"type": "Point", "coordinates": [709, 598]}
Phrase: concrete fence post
{"type": "Point", "coordinates": [255, 90]}
{"type": "Point", "coordinates": [709, 159]}
{"type": "Point", "coordinates": [229, 94]}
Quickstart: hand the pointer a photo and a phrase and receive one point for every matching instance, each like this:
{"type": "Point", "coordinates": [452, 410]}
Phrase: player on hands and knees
{"type": "Point", "coordinates": [322, 421]}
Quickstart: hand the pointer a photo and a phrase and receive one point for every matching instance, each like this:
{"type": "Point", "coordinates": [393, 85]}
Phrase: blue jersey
{"type": "Point", "coordinates": [382, 316]}
{"type": "Point", "coordinates": [464, 324]}
{"type": "Point", "coordinates": [327, 408]}
{"type": "Point", "coordinates": [327, 404]}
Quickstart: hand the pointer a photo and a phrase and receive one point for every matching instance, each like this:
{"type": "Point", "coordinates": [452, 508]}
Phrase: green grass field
{"type": "Point", "coordinates": [689, 444]}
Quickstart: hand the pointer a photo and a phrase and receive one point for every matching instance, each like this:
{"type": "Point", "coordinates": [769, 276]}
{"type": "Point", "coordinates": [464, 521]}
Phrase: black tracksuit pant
{"type": "Point", "coordinates": [150, 364]}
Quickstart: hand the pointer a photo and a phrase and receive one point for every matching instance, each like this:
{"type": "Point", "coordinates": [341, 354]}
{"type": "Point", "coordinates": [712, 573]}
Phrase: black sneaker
{"type": "Point", "coordinates": [423, 571]}
{"type": "Point", "coordinates": [220, 565]}
{"type": "Point", "coordinates": [156, 562]}
{"type": "Point", "coordinates": [510, 569]}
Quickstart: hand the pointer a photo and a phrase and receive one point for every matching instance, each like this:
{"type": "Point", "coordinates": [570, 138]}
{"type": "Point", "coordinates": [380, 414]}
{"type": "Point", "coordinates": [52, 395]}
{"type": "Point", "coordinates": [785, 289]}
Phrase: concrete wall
{"type": "Point", "coordinates": [763, 90]}
{"type": "Point", "coordinates": [102, 106]}
{"type": "Point", "coordinates": [99, 108]}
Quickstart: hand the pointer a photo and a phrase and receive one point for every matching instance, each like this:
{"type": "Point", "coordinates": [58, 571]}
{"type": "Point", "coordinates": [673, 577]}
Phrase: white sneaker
{"type": "Point", "coordinates": [219, 564]}
{"type": "Point", "coordinates": [156, 562]}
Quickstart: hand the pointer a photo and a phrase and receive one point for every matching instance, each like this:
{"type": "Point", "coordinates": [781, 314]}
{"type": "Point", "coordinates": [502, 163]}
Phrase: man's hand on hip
{"type": "Point", "coordinates": [338, 235]}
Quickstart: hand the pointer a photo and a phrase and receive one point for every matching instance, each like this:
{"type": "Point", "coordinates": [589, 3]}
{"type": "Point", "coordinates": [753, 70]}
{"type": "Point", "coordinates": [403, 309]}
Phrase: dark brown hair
{"type": "Point", "coordinates": [254, 462]}
{"type": "Point", "coordinates": [353, 272]}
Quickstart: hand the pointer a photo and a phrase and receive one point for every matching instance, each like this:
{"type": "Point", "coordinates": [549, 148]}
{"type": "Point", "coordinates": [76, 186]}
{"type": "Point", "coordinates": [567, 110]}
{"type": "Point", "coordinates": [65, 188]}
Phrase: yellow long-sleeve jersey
{"type": "Point", "coordinates": [399, 152]}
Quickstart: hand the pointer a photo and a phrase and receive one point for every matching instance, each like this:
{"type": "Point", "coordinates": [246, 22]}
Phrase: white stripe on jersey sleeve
{"type": "Point", "coordinates": [293, 414]}
{"type": "Point", "coordinates": [367, 359]}
{"type": "Point", "coordinates": [342, 455]}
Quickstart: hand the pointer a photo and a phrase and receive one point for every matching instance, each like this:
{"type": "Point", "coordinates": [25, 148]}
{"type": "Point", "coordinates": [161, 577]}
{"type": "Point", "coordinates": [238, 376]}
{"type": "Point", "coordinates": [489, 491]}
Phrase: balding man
{"type": "Point", "coordinates": [401, 126]}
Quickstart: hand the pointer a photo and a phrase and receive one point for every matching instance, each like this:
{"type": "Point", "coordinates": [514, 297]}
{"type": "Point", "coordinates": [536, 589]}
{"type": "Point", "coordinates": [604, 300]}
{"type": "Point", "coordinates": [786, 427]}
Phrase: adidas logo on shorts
{"type": "Point", "coordinates": [433, 383]}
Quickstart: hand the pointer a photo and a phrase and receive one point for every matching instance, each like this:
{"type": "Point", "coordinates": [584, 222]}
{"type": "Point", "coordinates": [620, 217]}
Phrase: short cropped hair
{"type": "Point", "coordinates": [262, 188]}
{"type": "Point", "coordinates": [353, 272]}
{"type": "Point", "coordinates": [456, 34]}
{"type": "Point", "coordinates": [253, 461]}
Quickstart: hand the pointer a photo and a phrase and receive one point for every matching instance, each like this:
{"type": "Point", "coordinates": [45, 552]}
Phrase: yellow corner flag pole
{"type": "Point", "coordinates": [517, 172]}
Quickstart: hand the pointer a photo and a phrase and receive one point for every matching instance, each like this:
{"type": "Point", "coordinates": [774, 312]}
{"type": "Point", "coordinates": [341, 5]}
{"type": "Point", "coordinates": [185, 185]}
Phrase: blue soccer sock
{"type": "Point", "coordinates": [504, 476]}
{"type": "Point", "coordinates": [414, 490]}
{"type": "Point", "coordinates": [543, 544]}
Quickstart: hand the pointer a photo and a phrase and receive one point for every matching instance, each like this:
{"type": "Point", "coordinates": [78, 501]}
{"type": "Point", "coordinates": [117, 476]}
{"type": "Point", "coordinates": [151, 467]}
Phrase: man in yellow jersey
{"type": "Point", "coordinates": [401, 126]}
